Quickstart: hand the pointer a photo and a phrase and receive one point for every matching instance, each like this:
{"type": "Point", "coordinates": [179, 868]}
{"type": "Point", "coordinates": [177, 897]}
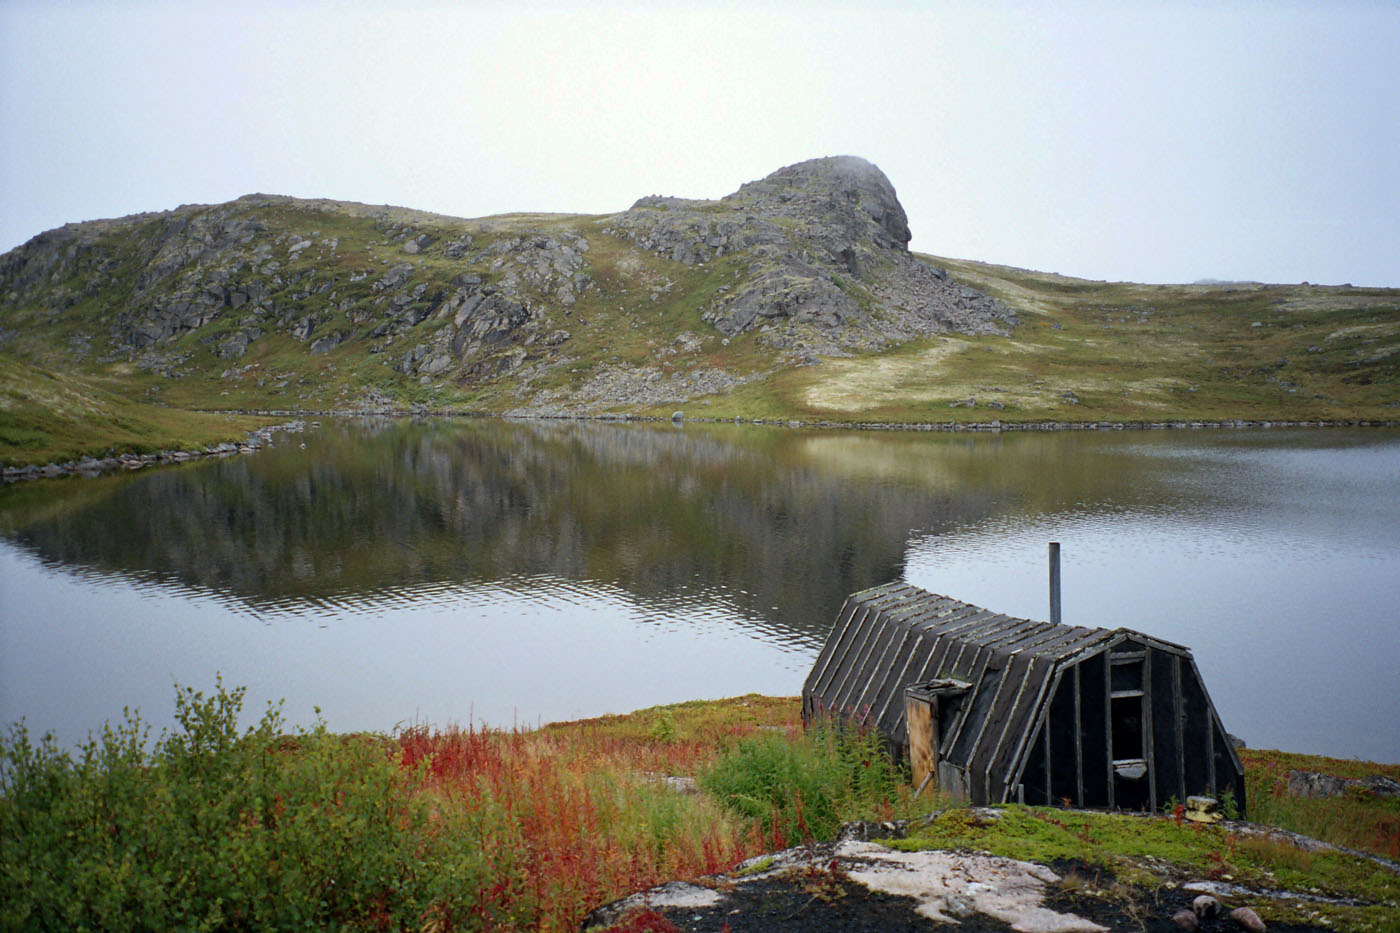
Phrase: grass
{"type": "Point", "coordinates": [1127, 858]}
{"type": "Point", "coordinates": [1128, 353]}
{"type": "Point", "coordinates": [1356, 819]}
{"type": "Point", "coordinates": [47, 416]}
{"type": "Point", "coordinates": [476, 828]}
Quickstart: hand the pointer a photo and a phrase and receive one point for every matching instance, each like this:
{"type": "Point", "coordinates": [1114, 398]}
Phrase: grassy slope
{"type": "Point", "coordinates": [1128, 353]}
{"type": "Point", "coordinates": [47, 416]}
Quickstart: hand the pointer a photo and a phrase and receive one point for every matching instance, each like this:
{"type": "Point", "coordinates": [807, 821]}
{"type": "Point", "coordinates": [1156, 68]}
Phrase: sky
{"type": "Point", "coordinates": [1142, 141]}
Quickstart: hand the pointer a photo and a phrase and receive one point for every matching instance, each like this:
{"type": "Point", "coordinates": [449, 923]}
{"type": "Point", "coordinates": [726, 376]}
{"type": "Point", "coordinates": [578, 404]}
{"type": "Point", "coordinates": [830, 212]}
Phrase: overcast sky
{"type": "Point", "coordinates": [1153, 142]}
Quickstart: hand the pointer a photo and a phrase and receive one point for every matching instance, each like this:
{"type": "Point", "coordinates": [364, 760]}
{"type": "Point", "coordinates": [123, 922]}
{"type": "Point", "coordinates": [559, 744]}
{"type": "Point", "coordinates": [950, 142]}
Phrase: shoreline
{"type": "Point", "coordinates": [89, 467]}
{"type": "Point", "coordinates": [256, 440]}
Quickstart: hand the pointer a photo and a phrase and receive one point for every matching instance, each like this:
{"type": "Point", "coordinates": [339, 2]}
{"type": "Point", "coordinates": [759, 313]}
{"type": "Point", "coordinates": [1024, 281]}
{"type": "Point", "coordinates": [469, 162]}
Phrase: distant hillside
{"type": "Point", "coordinates": [794, 297]}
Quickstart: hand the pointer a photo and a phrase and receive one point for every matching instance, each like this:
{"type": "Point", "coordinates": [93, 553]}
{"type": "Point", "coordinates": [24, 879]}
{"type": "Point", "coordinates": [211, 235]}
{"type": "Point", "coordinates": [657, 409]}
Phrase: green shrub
{"type": "Point", "coordinates": [806, 788]}
{"type": "Point", "coordinates": [218, 830]}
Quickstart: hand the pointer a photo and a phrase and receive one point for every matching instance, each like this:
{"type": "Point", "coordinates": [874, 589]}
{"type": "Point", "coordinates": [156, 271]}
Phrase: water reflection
{"type": "Point", "coordinates": [375, 511]}
{"type": "Point", "coordinates": [460, 568]}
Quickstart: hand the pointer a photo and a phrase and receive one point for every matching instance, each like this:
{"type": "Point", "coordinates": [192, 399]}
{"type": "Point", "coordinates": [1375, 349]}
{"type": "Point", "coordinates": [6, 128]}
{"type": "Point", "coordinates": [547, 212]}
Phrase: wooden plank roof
{"type": "Point", "coordinates": [894, 635]}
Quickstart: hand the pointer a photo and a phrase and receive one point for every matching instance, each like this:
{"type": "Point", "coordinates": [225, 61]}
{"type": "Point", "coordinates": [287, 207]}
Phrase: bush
{"type": "Point", "coordinates": [806, 789]}
{"type": "Point", "coordinates": [215, 829]}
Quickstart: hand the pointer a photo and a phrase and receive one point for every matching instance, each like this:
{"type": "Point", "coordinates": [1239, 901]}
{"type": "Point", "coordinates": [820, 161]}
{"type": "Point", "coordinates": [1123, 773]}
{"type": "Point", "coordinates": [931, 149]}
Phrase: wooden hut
{"type": "Point", "coordinates": [1018, 710]}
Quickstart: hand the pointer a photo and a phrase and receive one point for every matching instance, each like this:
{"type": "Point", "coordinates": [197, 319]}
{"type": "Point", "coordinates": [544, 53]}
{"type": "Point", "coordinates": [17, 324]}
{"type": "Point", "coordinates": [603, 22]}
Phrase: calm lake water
{"type": "Point", "coordinates": [395, 572]}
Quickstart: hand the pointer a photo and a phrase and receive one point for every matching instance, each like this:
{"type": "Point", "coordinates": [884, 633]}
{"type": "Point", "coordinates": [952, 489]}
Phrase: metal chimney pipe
{"type": "Point", "coordinates": [1055, 582]}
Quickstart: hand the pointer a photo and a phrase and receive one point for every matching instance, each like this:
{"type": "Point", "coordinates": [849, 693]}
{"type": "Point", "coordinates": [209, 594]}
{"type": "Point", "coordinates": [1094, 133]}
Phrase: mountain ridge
{"type": "Point", "coordinates": [795, 297]}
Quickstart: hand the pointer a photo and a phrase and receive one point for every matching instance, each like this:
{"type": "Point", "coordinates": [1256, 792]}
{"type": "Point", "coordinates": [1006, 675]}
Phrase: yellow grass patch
{"type": "Point", "coordinates": [852, 385]}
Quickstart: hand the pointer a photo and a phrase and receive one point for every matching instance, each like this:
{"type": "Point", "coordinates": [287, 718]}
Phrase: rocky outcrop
{"type": "Point", "coordinates": [812, 260]}
{"type": "Point", "coordinates": [825, 244]}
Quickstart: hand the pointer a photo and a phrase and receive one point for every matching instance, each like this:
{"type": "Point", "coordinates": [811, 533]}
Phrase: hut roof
{"type": "Point", "coordinates": [891, 636]}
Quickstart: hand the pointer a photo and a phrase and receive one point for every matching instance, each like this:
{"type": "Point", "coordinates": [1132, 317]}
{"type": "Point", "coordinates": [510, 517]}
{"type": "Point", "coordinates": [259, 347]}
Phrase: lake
{"type": "Point", "coordinates": [396, 571]}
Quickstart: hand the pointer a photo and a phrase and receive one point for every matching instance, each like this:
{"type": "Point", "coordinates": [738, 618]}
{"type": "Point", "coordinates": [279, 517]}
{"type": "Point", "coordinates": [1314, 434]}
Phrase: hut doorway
{"type": "Point", "coordinates": [932, 710]}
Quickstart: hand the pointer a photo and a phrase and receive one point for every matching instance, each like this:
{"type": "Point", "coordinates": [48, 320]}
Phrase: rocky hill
{"type": "Point", "coordinates": [829, 269]}
{"type": "Point", "coordinates": [794, 298]}
{"type": "Point", "coordinates": [812, 260]}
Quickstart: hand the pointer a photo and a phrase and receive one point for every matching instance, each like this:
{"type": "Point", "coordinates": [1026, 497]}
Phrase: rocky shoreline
{"type": "Point", "coordinates": [96, 466]}
{"type": "Point", "coordinates": [262, 437]}
{"type": "Point", "coordinates": [92, 466]}
{"type": "Point", "coordinates": [678, 417]}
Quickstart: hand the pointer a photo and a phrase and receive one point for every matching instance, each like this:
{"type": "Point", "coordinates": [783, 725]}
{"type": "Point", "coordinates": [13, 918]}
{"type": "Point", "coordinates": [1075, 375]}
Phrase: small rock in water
{"type": "Point", "coordinates": [677, 416]}
{"type": "Point", "coordinates": [1186, 920]}
{"type": "Point", "coordinates": [1247, 919]}
{"type": "Point", "coordinates": [1205, 907]}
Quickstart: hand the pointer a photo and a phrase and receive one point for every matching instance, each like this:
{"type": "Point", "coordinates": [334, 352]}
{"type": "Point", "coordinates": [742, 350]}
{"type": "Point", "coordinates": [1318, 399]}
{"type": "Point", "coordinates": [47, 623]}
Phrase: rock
{"type": "Point", "coordinates": [827, 243]}
{"type": "Point", "coordinates": [1203, 809]}
{"type": "Point", "coordinates": [1205, 907]}
{"type": "Point", "coordinates": [395, 278]}
{"type": "Point", "coordinates": [1069, 396]}
{"type": "Point", "coordinates": [1314, 784]}
{"type": "Point", "coordinates": [866, 830]}
{"type": "Point", "coordinates": [458, 247]}
{"type": "Point", "coordinates": [1186, 920]}
{"type": "Point", "coordinates": [1380, 784]}
{"type": "Point", "coordinates": [1234, 740]}
{"type": "Point", "coordinates": [328, 342]}
{"type": "Point", "coordinates": [1247, 919]}
{"type": "Point", "coordinates": [677, 416]}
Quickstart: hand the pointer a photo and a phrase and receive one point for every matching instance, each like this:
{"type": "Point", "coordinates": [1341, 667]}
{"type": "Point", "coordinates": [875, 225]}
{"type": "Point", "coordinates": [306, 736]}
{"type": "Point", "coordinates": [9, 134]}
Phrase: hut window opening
{"type": "Point", "coordinates": [1131, 790]}
{"type": "Point", "coordinates": [1127, 729]}
{"type": "Point", "coordinates": [1125, 705]}
{"type": "Point", "coordinates": [1127, 678]}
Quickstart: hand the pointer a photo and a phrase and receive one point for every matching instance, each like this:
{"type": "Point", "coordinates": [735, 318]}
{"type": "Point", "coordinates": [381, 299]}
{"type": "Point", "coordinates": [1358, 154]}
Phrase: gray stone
{"type": "Point", "coordinates": [828, 246]}
{"type": "Point", "coordinates": [1314, 784]}
{"type": "Point", "coordinates": [328, 342]}
{"type": "Point", "coordinates": [1247, 919]}
{"type": "Point", "coordinates": [1186, 920]}
{"type": "Point", "coordinates": [1205, 907]}
{"type": "Point", "coordinates": [458, 247]}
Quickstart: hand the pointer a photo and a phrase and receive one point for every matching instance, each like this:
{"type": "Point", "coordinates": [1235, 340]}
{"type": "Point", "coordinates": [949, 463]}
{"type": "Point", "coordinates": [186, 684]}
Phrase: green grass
{"type": "Point", "coordinates": [215, 827]}
{"type": "Point", "coordinates": [222, 829]}
{"type": "Point", "coordinates": [807, 789]}
{"type": "Point", "coordinates": [1356, 819]}
{"type": "Point", "coordinates": [1145, 853]}
{"type": "Point", "coordinates": [46, 416]}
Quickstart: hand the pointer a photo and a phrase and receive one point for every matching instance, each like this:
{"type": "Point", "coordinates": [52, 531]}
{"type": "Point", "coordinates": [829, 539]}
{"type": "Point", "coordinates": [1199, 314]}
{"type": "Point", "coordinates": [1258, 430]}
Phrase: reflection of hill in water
{"type": "Point", "coordinates": [756, 518]}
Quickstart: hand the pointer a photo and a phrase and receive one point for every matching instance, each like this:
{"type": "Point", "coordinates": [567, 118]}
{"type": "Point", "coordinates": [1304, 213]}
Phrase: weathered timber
{"type": "Point", "coordinates": [994, 709]}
